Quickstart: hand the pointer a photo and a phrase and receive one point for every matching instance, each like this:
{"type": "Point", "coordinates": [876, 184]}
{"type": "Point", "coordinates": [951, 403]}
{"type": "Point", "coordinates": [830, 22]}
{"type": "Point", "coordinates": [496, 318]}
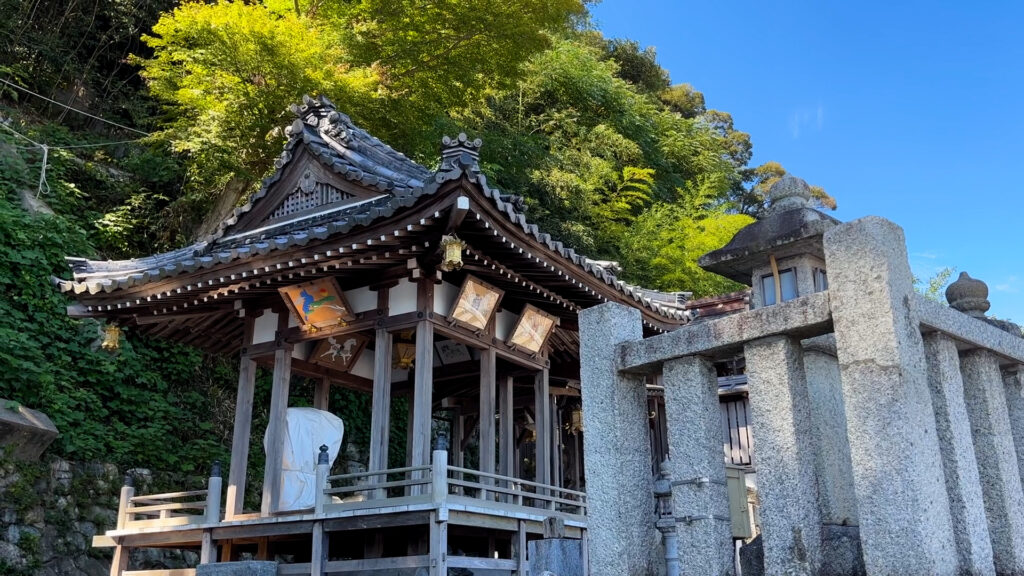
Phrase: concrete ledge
{"type": "Point", "coordinates": [26, 431]}
{"type": "Point", "coordinates": [970, 331]}
{"type": "Point", "coordinates": [803, 317]}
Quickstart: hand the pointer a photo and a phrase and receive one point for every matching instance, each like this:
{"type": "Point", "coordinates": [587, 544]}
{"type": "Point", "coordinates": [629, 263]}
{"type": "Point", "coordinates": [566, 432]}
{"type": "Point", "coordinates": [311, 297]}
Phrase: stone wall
{"type": "Point", "coordinates": [49, 512]}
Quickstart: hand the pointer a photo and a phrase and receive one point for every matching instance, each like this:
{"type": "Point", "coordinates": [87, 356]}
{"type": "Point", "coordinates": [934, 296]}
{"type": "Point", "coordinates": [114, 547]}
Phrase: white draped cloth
{"type": "Point", "coordinates": [306, 429]}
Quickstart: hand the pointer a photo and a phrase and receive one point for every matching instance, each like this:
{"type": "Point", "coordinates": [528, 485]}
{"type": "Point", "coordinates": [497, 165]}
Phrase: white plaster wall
{"type": "Point", "coordinates": [444, 297]}
{"type": "Point", "coordinates": [504, 324]}
{"type": "Point", "coordinates": [363, 365]}
{"type": "Point", "coordinates": [402, 298]}
{"type": "Point", "coordinates": [361, 299]}
{"type": "Point", "coordinates": [302, 350]}
{"type": "Point", "coordinates": [265, 327]}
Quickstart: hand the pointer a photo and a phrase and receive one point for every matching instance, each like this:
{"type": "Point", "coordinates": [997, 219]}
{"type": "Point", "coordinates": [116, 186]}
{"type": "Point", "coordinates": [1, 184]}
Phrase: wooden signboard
{"type": "Point", "coordinates": [339, 352]}
{"type": "Point", "coordinates": [319, 303]}
{"type": "Point", "coordinates": [532, 329]}
{"type": "Point", "coordinates": [476, 304]}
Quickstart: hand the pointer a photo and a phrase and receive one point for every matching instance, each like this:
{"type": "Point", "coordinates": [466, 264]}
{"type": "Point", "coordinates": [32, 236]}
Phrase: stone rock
{"type": "Point", "coordinates": [968, 295]}
{"type": "Point", "coordinates": [28, 432]}
{"type": "Point", "coordinates": [93, 567]}
{"type": "Point", "coordinates": [562, 556]}
{"type": "Point", "coordinates": [10, 555]}
{"type": "Point", "coordinates": [243, 568]}
{"type": "Point", "coordinates": [752, 557]}
{"type": "Point", "coordinates": [60, 474]}
{"type": "Point", "coordinates": [841, 553]}
{"type": "Point", "coordinates": [12, 535]}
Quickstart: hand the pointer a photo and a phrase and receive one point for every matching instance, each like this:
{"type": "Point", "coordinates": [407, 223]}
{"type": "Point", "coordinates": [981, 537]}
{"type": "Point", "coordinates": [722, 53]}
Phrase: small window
{"type": "Point", "coordinates": [820, 280]}
{"type": "Point", "coordinates": [787, 281]}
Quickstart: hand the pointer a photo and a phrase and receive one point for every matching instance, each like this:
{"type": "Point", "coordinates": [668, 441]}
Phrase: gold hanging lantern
{"type": "Point", "coordinates": [453, 247]}
{"type": "Point", "coordinates": [111, 338]}
{"type": "Point", "coordinates": [576, 424]}
{"type": "Point", "coordinates": [405, 355]}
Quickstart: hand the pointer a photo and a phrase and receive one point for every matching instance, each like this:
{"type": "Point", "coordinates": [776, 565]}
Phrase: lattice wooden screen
{"type": "Point", "coordinates": [319, 195]}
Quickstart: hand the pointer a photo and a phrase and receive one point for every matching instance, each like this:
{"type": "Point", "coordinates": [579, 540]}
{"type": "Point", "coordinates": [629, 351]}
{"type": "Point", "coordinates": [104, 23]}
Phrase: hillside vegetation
{"type": "Point", "coordinates": [180, 107]}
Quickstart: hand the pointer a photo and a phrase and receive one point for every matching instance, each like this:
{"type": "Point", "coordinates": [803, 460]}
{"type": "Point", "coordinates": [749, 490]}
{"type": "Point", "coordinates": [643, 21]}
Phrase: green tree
{"type": "Point", "coordinates": [662, 248]}
{"type": "Point", "coordinates": [934, 288]}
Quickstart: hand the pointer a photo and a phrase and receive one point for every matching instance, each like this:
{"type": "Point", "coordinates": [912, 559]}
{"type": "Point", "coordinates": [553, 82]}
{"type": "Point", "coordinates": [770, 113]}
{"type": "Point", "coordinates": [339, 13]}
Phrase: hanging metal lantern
{"type": "Point", "coordinates": [111, 338]}
{"type": "Point", "coordinates": [453, 248]}
{"type": "Point", "coordinates": [404, 356]}
{"type": "Point", "coordinates": [576, 424]}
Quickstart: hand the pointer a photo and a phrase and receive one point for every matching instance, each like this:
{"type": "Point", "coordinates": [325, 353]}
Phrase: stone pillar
{"type": "Point", "coordinates": [1014, 381]}
{"type": "Point", "coordinates": [837, 502]}
{"type": "Point", "coordinates": [905, 525]}
{"type": "Point", "coordinates": [617, 453]}
{"type": "Point", "coordinates": [697, 467]}
{"type": "Point", "coordinates": [966, 507]}
{"type": "Point", "coordinates": [997, 458]}
{"type": "Point", "coordinates": [786, 479]}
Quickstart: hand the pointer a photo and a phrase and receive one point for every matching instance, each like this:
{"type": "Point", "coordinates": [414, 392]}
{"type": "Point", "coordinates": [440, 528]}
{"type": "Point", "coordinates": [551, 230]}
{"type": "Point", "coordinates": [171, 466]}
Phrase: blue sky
{"type": "Point", "coordinates": [912, 111]}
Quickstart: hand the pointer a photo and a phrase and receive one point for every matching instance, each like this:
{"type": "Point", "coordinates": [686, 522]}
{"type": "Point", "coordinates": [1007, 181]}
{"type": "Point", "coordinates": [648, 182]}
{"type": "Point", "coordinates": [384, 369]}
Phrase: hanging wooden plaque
{"type": "Point", "coordinates": [319, 303]}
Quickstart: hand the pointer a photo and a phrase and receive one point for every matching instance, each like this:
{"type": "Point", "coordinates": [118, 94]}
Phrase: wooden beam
{"type": "Point", "coordinates": [542, 424]}
{"type": "Point", "coordinates": [345, 379]}
{"type": "Point", "coordinates": [275, 429]}
{"type": "Point", "coordinates": [242, 431]}
{"type": "Point", "coordinates": [380, 419]}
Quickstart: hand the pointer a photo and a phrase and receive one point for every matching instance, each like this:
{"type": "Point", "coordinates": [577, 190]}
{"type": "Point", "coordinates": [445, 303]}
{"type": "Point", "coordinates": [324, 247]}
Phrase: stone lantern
{"type": "Point", "coordinates": [780, 256]}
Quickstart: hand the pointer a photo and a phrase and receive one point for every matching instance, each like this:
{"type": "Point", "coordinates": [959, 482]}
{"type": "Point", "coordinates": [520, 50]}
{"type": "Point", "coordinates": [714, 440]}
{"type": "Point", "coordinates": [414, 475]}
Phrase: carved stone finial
{"type": "Point", "coordinates": [441, 443]}
{"type": "Point", "coordinates": [968, 295]}
{"type": "Point", "coordinates": [789, 193]}
{"type": "Point", "coordinates": [323, 457]}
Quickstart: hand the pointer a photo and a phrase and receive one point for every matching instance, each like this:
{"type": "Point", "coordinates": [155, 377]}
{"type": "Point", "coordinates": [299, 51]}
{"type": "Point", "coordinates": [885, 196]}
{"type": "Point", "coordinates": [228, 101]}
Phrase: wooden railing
{"type": "Point", "coordinates": [435, 483]}
{"type": "Point", "coordinates": [497, 488]}
{"type": "Point", "coordinates": [170, 508]}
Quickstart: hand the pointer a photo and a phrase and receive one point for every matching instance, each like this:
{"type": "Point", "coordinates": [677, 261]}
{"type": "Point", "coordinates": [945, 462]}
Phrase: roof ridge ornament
{"type": "Point", "coordinates": [459, 155]}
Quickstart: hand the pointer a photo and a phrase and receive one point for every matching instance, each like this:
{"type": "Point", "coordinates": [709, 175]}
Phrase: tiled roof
{"type": "Point", "coordinates": [350, 151]}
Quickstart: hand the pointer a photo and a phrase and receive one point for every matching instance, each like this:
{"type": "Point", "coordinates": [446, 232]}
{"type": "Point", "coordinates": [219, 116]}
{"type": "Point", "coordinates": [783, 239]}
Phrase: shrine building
{"type": "Point", "coordinates": [354, 266]}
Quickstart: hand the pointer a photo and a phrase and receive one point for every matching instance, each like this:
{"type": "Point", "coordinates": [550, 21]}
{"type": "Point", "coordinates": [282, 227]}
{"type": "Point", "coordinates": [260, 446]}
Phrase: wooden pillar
{"type": "Point", "coordinates": [438, 545]}
{"type": "Point", "coordinates": [276, 428]}
{"type": "Point", "coordinates": [488, 391]}
{"type": "Point", "coordinates": [240, 438]}
{"type": "Point", "coordinates": [542, 424]}
{"type": "Point", "coordinates": [322, 394]}
{"type": "Point", "coordinates": [318, 554]}
{"type": "Point", "coordinates": [423, 389]}
{"type": "Point", "coordinates": [506, 430]}
{"type": "Point", "coordinates": [380, 423]}
{"type": "Point", "coordinates": [556, 443]}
